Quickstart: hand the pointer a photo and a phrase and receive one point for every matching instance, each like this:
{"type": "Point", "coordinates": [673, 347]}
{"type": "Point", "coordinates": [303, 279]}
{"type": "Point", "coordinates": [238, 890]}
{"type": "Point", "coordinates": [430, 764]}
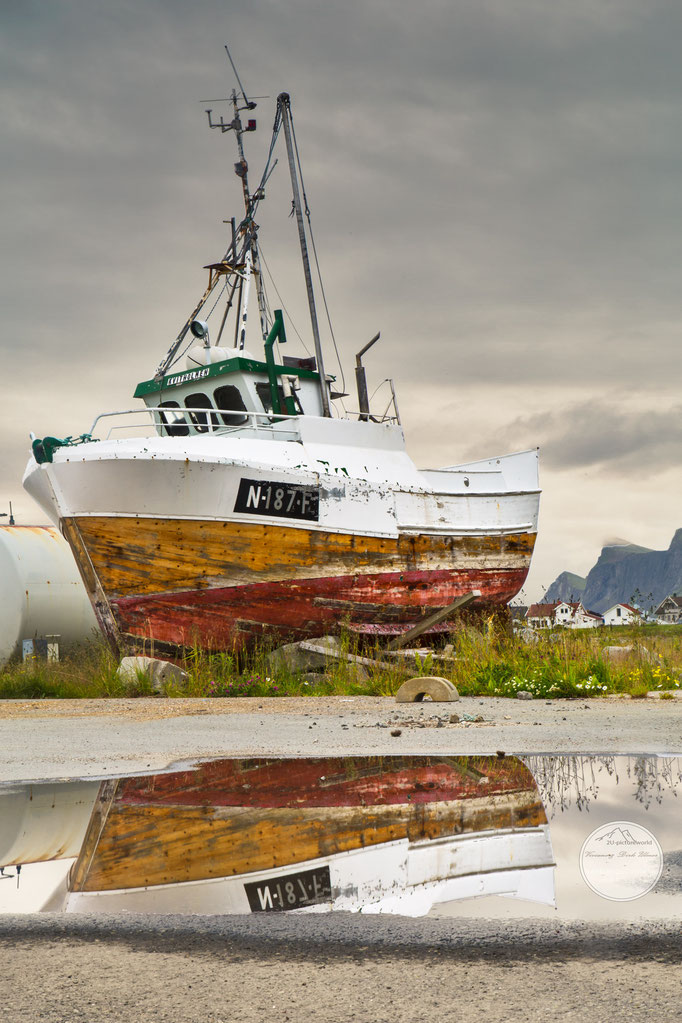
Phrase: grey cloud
{"type": "Point", "coordinates": [607, 434]}
{"type": "Point", "coordinates": [495, 186]}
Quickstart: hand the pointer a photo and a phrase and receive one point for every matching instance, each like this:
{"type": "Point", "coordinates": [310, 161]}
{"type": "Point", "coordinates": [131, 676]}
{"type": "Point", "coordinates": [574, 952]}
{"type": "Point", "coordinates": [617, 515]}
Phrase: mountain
{"type": "Point", "coordinates": [623, 572]}
{"type": "Point", "coordinates": [567, 586]}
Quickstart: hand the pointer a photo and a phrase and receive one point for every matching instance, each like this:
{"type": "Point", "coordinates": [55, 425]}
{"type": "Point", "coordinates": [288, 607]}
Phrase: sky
{"type": "Point", "coordinates": [496, 187]}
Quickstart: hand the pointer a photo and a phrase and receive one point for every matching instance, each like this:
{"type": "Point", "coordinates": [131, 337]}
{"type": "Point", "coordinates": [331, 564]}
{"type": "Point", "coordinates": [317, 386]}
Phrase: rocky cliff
{"type": "Point", "coordinates": [625, 571]}
{"type": "Point", "coordinates": [567, 586]}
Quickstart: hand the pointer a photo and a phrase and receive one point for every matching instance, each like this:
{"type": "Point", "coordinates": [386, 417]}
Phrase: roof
{"type": "Point", "coordinates": [542, 610]}
{"type": "Point", "coordinates": [518, 610]}
{"type": "Point", "coordinates": [547, 610]}
{"type": "Point", "coordinates": [676, 599]}
{"type": "Point", "coordinates": [215, 369]}
{"type": "Point", "coordinates": [629, 607]}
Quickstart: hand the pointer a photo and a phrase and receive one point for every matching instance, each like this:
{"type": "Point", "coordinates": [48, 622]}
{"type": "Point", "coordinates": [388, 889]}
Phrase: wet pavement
{"type": "Point", "coordinates": [93, 738]}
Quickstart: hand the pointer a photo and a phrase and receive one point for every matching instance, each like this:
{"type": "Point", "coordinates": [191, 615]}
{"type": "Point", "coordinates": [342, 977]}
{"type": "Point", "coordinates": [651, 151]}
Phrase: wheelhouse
{"type": "Point", "coordinates": [227, 394]}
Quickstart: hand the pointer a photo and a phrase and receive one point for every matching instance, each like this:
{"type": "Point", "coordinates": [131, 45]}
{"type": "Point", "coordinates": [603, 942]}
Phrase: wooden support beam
{"type": "Point", "coordinates": [431, 620]}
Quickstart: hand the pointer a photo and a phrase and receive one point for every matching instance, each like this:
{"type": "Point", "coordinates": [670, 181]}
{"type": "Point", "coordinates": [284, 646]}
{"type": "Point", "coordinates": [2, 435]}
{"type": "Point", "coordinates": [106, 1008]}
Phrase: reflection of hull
{"type": "Point", "coordinates": [392, 877]}
{"type": "Point", "coordinates": [347, 834]}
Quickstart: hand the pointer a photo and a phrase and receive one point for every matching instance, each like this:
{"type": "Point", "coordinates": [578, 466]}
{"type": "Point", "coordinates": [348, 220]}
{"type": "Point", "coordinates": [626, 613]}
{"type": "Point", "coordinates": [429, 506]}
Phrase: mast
{"type": "Point", "coordinates": [241, 169]}
{"type": "Point", "coordinates": [284, 108]}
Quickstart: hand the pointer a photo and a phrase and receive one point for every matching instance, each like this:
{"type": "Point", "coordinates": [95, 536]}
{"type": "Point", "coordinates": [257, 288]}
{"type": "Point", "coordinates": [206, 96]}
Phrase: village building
{"type": "Point", "coordinates": [669, 611]}
{"type": "Point", "coordinates": [569, 614]}
{"type": "Point", "coordinates": [622, 614]}
{"type": "Point", "coordinates": [584, 619]}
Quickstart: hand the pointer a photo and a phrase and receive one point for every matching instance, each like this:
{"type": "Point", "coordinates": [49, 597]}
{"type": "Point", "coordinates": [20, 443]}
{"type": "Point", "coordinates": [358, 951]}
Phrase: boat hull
{"type": "Point", "coordinates": [182, 583]}
{"type": "Point", "coordinates": [210, 541]}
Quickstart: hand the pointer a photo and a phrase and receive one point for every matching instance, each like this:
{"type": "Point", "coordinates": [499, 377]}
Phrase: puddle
{"type": "Point", "coordinates": [569, 838]}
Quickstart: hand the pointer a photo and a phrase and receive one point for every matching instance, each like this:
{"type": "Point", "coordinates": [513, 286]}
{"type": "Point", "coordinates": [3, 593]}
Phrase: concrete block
{"type": "Point", "coordinates": [298, 657]}
{"type": "Point", "coordinates": [615, 654]}
{"type": "Point", "coordinates": [416, 689]}
{"type": "Point", "coordinates": [159, 672]}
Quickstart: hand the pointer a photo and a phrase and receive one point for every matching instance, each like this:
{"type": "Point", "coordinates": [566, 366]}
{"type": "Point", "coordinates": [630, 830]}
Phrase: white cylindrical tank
{"type": "Point", "coordinates": [41, 592]}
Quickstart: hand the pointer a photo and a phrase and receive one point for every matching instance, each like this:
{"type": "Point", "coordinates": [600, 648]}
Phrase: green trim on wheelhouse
{"type": "Point", "coordinates": [217, 369]}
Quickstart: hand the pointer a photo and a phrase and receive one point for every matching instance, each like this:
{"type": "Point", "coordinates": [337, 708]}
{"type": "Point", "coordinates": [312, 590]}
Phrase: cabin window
{"type": "Point", "coordinates": [200, 419]}
{"type": "Point", "coordinates": [229, 402]}
{"type": "Point", "coordinates": [263, 391]}
{"type": "Point", "coordinates": [174, 422]}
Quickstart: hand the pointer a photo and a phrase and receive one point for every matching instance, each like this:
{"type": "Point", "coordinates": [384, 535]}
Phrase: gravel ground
{"type": "Point", "coordinates": [334, 969]}
{"type": "Point", "coordinates": [90, 738]}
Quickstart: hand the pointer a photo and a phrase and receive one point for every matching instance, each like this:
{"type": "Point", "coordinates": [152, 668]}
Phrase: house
{"type": "Point", "coordinates": [622, 614]}
{"type": "Point", "coordinates": [584, 619]}
{"type": "Point", "coordinates": [570, 614]}
{"type": "Point", "coordinates": [542, 616]}
{"type": "Point", "coordinates": [669, 611]}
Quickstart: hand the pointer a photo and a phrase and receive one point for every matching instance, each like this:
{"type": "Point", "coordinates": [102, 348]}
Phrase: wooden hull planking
{"type": "Point", "coordinates": [242, 817]}
{"type": "Point", "coordinates": [221, 583]}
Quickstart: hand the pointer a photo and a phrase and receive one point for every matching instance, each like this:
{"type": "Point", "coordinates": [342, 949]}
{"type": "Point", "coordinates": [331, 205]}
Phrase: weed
{"type": "Point", "coordinates": [486, 661]}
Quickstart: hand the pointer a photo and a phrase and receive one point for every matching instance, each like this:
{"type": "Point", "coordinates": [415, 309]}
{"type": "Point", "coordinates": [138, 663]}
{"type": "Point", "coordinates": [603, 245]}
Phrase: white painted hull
{"type": "Point", "coordinates": [173, 549]}
{"type": "Point", "coordinates": [369, 483]}
{"type": "Point", "coordinates": [395, 877]}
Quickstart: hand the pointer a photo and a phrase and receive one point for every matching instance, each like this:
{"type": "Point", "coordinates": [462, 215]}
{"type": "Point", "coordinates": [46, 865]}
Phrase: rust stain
{"type": "Point", "coordinates": [328, 781]}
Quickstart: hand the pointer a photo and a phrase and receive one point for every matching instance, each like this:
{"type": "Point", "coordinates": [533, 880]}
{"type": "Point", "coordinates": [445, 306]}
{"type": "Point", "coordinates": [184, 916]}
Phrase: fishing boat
{"type": "Point", "coordinates": [248, 500]}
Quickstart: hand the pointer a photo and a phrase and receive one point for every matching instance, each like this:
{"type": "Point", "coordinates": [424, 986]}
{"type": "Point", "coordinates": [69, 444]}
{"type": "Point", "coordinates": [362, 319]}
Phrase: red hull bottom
{"type": "Point", "coordinates": [223, 618]}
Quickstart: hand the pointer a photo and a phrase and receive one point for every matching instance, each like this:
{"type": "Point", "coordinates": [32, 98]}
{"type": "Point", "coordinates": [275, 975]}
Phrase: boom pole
{"type": "Point", "coordinates": [284, 107]}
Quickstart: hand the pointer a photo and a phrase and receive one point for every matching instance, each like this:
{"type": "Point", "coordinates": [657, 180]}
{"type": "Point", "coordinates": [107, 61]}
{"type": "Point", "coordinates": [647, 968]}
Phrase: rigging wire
{"type": "Point", "coordinates": [208, 314]}
{"type": "Point", "coordinates": [314, 247]}
{"type": "Point", "coordinates": [380, 385]}
{"type": "Point", "coordinates": [272, 279]}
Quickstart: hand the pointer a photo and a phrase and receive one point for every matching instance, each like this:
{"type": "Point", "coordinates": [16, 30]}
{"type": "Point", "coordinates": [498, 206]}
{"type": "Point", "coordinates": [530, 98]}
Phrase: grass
{"type": "Point", "coordinates": [488, 661]}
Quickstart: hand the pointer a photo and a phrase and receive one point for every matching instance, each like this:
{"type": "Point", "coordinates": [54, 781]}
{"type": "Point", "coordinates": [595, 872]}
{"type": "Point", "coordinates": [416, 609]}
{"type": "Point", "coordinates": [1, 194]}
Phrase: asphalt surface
{"type": "Point", "coordinates": [49, 739]}
{"type": "Point", "coordinates": [334, 969]}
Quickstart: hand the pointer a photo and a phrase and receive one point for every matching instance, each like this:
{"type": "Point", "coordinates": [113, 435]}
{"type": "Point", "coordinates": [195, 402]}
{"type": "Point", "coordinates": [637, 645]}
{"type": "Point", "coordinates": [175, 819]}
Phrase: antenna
{"type": "Point", "coordinates": [249, 105]}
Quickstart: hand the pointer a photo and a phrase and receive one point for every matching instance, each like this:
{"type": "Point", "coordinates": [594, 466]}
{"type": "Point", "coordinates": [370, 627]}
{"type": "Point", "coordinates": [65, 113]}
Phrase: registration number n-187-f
{"type": "Point", "coordinates": [282, 500]}
{"type": "Point", "coordinates": [291, 891]}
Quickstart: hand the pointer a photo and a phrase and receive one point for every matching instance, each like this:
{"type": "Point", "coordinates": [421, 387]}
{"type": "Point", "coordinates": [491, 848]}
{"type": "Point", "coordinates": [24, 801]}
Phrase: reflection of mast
{"type": "Point", "coordinates": [566, 781]}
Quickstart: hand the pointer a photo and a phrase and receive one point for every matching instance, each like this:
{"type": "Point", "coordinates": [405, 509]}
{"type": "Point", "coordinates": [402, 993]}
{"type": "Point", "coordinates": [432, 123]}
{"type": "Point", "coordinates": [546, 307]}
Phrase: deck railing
{"type": "Point", "coordinates": [200, 420]}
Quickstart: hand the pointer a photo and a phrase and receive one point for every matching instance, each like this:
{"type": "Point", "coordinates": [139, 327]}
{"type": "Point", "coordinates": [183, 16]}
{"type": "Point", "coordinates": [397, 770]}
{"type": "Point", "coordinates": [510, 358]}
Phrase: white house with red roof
{"type": "Point", "coordinates": [570, 614]}
{"type": "Point", "coordinates": [584, 619]}
{"type": "Point", "coordinates": [622, 614]}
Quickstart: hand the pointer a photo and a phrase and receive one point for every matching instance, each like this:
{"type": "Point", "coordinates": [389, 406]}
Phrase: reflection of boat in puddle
{"type": "Point", "coordinates": [406, 835]}
{"type": "Point", "coordinates": [391, 834]}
